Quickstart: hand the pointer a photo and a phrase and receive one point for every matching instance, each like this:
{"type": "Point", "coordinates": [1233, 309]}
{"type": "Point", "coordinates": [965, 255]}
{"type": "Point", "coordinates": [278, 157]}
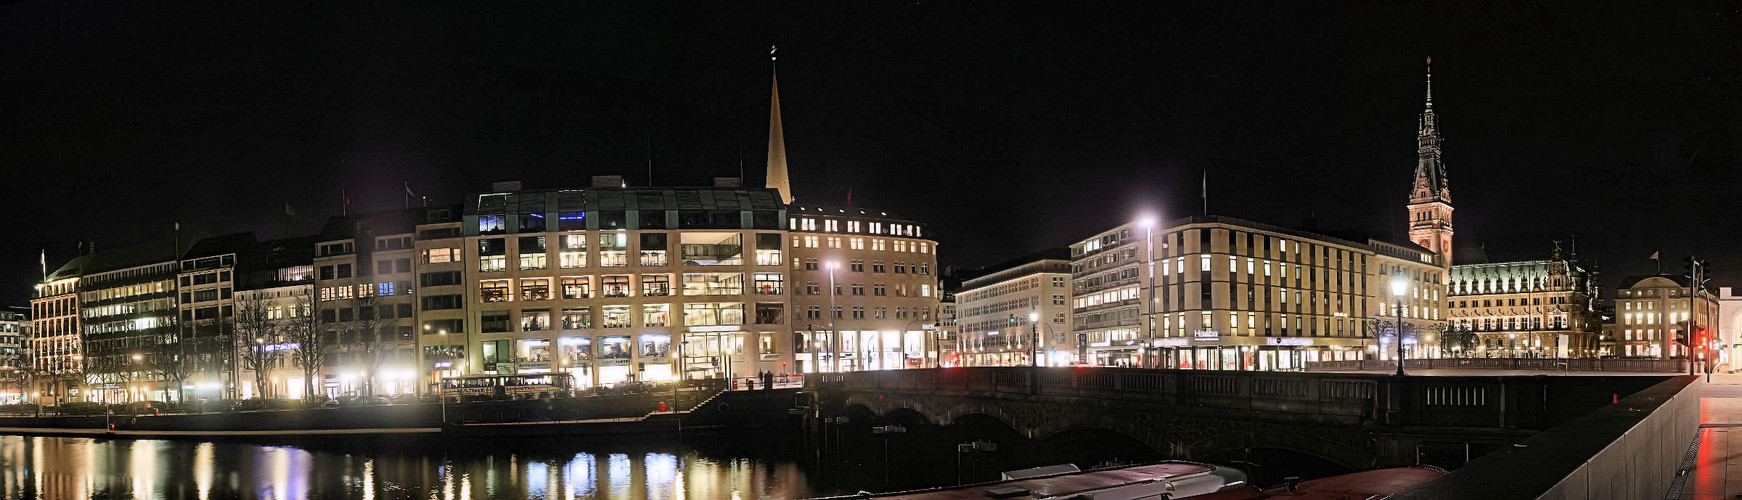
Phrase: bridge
{"type": "Point", "coordinates": [1355, 420]}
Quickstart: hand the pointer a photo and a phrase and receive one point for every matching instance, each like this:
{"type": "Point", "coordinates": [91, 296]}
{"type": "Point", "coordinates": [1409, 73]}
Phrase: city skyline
{"type": "Point", "coordinates": [915, 125]}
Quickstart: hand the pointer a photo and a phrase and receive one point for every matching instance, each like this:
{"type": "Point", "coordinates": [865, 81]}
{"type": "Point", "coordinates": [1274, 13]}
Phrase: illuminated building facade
{"type": "Point", "coordinates": [280, 275]}
{"type": "Point", "coordinates": [14, 353]}
{"type": "Point", "coordinates": [1231, 294]}
{"type": "Point", "coordinates": [1651, 310]}
{"type": "Point", "coordinates": [870, 277]}
{"type": "Point", "coordinates": [127, 307]}
{"type": "Point", "coordinates": [997, 308]}
{"type": "Point", "coordinates": [1543, 308]}
{"type": "Point", "coordinates": [1109, 298]}
{"type": "Point", "coordinates": [364, 296]}
{"type": "Point", "coordinates": [616, 284]}
{"type": "Point", "coordinates": [57, 335]}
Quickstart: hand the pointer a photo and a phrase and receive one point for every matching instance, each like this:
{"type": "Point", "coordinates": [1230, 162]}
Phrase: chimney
{"type": "Point", "coordinates": [608, 181]}
{"type": "Point", "coordinates": [505, 186]}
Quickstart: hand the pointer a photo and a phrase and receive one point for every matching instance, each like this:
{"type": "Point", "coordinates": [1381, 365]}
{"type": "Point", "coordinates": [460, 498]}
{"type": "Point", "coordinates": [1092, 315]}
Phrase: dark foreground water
{"type": "Point", "coordinates": [774, 464]}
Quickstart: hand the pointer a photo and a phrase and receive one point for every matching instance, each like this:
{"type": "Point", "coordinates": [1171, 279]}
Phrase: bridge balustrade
{"type": "Point", "coordinates": [1503, 402]}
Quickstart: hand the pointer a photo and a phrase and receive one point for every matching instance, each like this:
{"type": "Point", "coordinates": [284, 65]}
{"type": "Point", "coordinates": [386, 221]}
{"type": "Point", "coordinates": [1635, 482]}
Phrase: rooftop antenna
{"type": "Point", "coordinates": [740, 146]}
{"type": "Point", "coordinates": [650, 159]}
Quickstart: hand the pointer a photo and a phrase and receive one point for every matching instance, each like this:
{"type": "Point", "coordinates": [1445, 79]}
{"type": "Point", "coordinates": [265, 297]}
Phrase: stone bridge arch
{"type": "Point", "coordinates": [1175, 434]}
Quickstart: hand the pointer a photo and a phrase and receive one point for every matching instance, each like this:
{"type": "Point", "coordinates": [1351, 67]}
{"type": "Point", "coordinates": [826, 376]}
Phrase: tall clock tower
{"type": "Point", "coordinates": [1430, 198]}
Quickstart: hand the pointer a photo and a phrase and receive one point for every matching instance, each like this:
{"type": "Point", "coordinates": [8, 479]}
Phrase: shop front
{"type": "Point", "coordinates": [615, 353]}
{"type": "Point", "coordinates": [654, 358]}
{"type": "Point", "coordinates": [577, 359]}
{"type": "Point", "coordinates": [712, 352]}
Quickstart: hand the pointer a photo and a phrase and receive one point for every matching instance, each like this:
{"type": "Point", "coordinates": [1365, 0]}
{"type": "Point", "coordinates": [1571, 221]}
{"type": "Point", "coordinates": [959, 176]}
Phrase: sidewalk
{"type": "Point", "coordinates": [1717, 471]}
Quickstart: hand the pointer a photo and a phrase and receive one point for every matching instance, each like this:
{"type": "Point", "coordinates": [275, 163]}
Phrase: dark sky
{"type": "Point", "coordinates": [1007, 126]}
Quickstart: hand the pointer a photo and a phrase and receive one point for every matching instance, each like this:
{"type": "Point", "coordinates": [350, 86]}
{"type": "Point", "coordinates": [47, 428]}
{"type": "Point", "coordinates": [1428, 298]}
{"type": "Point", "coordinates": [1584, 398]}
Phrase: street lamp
{"type": "Point", "coordinates": [1034, 331]}
{"type": "Point", "coordinates": [1399, 286]}
{"type": "Point", "coordinates": [834, 333]}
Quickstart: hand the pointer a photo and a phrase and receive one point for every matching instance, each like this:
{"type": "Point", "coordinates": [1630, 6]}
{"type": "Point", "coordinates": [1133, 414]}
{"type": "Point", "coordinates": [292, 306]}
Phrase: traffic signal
{"type": "Point", "coordinates": [1681, 337]}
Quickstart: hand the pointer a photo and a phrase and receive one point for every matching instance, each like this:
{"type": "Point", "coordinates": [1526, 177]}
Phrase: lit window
{"type": "Point", "coordinates": [1206, 259]}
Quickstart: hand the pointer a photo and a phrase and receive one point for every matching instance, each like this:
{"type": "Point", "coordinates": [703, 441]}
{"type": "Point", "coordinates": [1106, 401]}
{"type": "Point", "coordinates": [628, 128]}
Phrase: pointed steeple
{"type": "Point", "coordinates": [777, 140]}
{"type": "Point", "coordinates": [1430, 171]}
{"type": "Point", "coordinates": [1430, 196]}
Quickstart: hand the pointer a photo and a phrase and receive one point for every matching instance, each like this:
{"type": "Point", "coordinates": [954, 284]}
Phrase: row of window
{"type": "Point", "coordinates": [855, 226]}
{"type": "Point", "coordinates": [878, 312]}
{"type": "Point", "coordinates": [622, 316]}
{"type": "Point", "coordinates": [362, 290]}
{"type": "Point", "coordinates": [858, 266]}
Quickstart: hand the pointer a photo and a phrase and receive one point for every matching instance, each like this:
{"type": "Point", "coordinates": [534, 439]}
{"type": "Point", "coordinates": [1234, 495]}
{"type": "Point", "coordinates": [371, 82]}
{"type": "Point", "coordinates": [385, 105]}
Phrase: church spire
{"type": "Point", "coordinates": [776, 139]}
{"type": "Point", "coordinates": [1430, 196]}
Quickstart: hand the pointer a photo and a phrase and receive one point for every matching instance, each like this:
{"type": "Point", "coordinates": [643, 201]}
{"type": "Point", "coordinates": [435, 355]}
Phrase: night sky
{"type": "Point", "coordinates": [1008, 127]}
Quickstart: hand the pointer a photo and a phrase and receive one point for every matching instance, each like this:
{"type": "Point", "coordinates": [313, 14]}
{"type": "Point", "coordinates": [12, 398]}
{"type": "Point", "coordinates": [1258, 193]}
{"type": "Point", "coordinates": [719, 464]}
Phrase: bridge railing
{"type": "Point", "coordinates": [1531, 402]}
{"type": "Point", "coordinates": [1543, 364]}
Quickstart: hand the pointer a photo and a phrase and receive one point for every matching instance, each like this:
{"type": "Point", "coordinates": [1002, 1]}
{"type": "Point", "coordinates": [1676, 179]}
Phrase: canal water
{"type": "Point", "coordinates": [739, 466]}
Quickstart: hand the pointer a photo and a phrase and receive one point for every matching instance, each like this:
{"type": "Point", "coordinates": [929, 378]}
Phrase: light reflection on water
{"type": "Point", "coordinates": [54, 467]}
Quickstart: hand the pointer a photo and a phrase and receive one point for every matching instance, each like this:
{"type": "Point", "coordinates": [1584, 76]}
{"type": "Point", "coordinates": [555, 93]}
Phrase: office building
{"type": "Point", "coordinates": [997, 313]}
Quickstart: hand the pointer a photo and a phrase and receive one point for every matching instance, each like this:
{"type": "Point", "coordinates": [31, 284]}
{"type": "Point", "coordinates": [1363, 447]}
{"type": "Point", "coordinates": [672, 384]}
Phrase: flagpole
{"type": "Point", "coordinates": [1206, 192]}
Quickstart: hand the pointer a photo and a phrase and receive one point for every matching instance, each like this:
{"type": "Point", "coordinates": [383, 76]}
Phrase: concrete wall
{"type": "Point", "coordinates": [1627, 450]}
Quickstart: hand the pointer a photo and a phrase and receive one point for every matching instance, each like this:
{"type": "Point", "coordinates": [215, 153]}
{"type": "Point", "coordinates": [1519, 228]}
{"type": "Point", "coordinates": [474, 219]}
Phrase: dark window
{"type": "Point", "coordinates": [326, 273]}
{"type": "Point", "coordinates": [328, 315]}
{"type": "Point", "coordinates": [443, 278]}
{"type": "Point", "coordinates": [402, 266]}
{"type": "Point", "coordinates": [495, 321]}
{"type": "Point", "coordinates": [439, 302]}
{"type": "Point", "coordinates": [344, 271]}
{"type": "Point", "coordinates": [571, 221]}
{"type": "Point", "coordinates": [531, 223]}
{"type": "Point", "coordinates": [346, 314]}
{"type": "Point", "coordinates": [765, 219]}
{"type": "Point", "coordinates": [652, 219]}
{"type": "Point", "coordinates": [613, 219]}
{"type": "Point", "coordinates": [531, 244]}
{"type": "Point", "coordinates": [492, 247]}
{"type": "Point", "coordinates": [404, 310]}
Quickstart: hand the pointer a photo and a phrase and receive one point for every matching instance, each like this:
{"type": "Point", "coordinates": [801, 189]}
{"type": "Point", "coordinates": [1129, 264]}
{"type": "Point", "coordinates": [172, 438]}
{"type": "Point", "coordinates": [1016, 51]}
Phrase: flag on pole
{"type": "Point", "coordinates": [289, 210]}
{"type": "Point", "coordinates": [1654, 254]}
{"type": "Point", "coordinates": [45, 264]}
{"type": "Point", "coordinates": [346, 197]}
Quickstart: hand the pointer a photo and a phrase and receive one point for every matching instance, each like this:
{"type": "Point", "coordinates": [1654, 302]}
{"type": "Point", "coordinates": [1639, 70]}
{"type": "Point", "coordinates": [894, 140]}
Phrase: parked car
{"type": "Point", "coordinates": [249, 404]}
{"type": "Point", "coordinates": [376, 400]}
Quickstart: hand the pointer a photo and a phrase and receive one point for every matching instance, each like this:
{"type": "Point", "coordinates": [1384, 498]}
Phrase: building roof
{"type": "Point", "coordinates": [1631, 281]}
{"type": "Point", "coordinates": [627, 198]}
{"type": "Point", "coordinates": [846, 211]}
{"type": "Point", "coordinates": [219, 245]}
{"type": "Point", "coordinates": [999, 272]}
{"type": "Point", "coordinates": [72, 269]}
{"type": "Point", "coordinates": [141, 254]}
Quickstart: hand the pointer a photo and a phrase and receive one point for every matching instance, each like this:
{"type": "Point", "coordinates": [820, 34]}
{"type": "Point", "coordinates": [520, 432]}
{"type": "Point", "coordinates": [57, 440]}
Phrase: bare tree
{"type": "Point", "coordinates": [1456, 338]}
{"type": "Point", "coordinates": [257, 336]}
{"type": "Point", "coordinates": [169, 358]}
{"type": "Point", "coordinates": [369, 338]}
{"type": "Point", "coordinates": [304, 330]}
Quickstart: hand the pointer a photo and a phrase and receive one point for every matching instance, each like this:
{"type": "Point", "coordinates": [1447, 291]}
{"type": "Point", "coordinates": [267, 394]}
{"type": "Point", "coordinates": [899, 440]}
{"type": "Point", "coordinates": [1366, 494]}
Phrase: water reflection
{"type": "Point", "coordinates": [47, 467]}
